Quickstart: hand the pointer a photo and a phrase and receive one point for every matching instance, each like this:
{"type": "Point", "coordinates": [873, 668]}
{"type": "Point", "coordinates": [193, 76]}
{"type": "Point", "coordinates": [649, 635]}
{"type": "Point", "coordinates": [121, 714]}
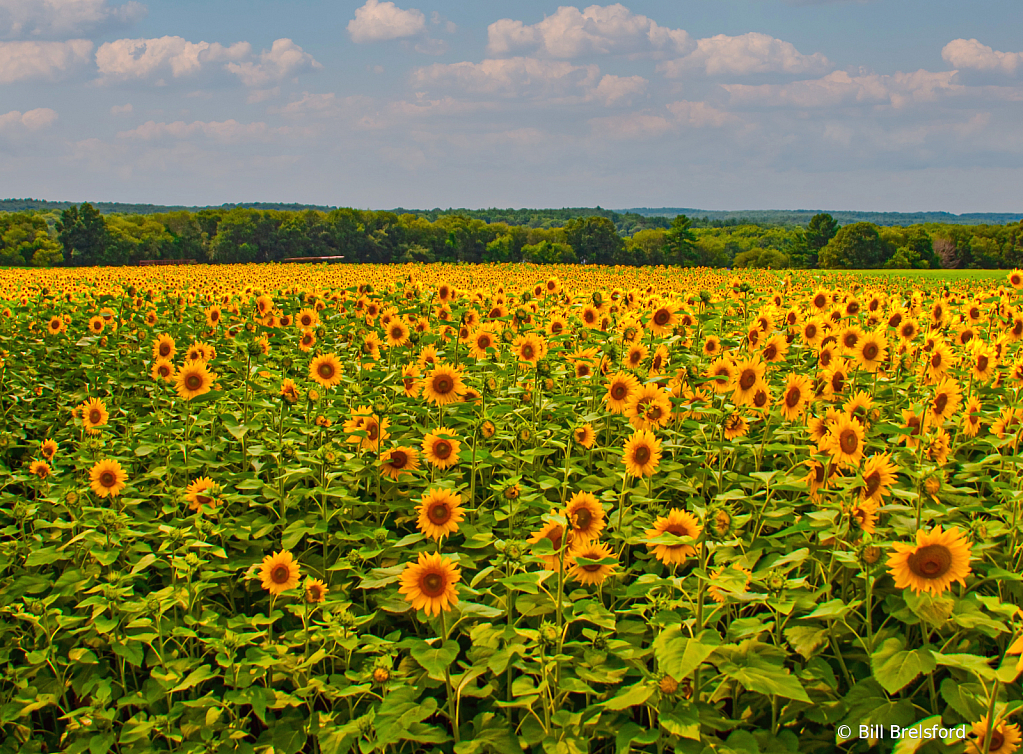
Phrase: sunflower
{"type": "Point", "coordinates": [916, 424]}
{"type": "Point", "coordinates": [584, 435]}
{"type": "Point", "coordinates": [663, 319]}
{"type": "Point", "coordinates": [48, 449]}
{"type": "Point", "coordinates": [908, 330]}
{"type": "Point", "coordinates": [774, 349]}
{"type": "Point", "coordinates": [585, 515]}
{"type": "Point", "coordinates": [620, 388]}
{"type": "Point", "coordinates": [649, 407]}
{"type": "Point", "coordinates": [193, 379]}
{"type": "Point", "coordinates": [410, 381]}
{"type": "Point", "coordinates": [734, 425]}
{"type": "Point", "coordinates": [938, 447]}
{"type": "Point", "coordinates": [397, 334]}
{"type": "Point", "coordinates": [858, 406]}
{"type": "Point", "coordinates": [289, 391]}
{"type": "Point", "coordinates": [325, 369]}
{"type": "Point", "coordinates": [279, 572]}
{"type": "Point", "coordinates": [636, 355]}
{"type": "Point", "coordinates": [971, 417]}
{"type": "Point", "coordinates": [307, 340]}
{"type": "Point", "coordinates": [441, 448]}
{"type": "Point", "coordinates": [200, 492]}
{"type": "Point", "coordinates": [849, 338]}
{"type": "Point", "coordinates": [835, 379]}
{"type": "Point", "coordinates": [429, 584]}
{"type": "Point", "coordinates": [482, 339]}
{"type": "Point", "coordinates": [795, 397]}
{"type": "Point", "coordinates": [721, 374]}
{"type": "Point", "coordinates": [871, 351]}
{"type": "Point", "coordinates": [983, 361]}
{"type": "Point", "coordinates": [443, 385]}
{"type": "Point", "coordinates": [315, 591]}
{"type": "Point", "coordinates": [56, 326]}
{"type": "Point", "coordinates": [398, 461]}
{"type": "Point", "coordinates": [863, 516]}
{"type": "Point", "coordinates": [162, 369]}
{"type": "Point", "coordinates": [826, 355]}
{"type": "Point", "coordinates": [591, 573]}
{"type": "Point", "coordinates": [553, 532]}
{"type": "Point", "coordinates": [1005, 738]}
{"type": "Point", "coordinates": [844, 441]}
{"type": "Point", "coordinates": [946, 400]}
{"type": "Point", "coordinates": [440, 512]}
{"type": "Point", "coordinates": [748, 373]}
{"type": "Point", "coordinates": [213, 316]}
{"type": "Point", "coordinates": [307, 319]}
{"type": "Point", "coordinates": [711, 346]}
{"type": "Point", "coordinates": [372, 429]}
{"type": "Point", "coordinates": [529, 348]}
{"type": "Point", "coordinates": [679, 523]}
{"type": "Point", "coordinates": [878, 476]}
{"type": "Point", "coordinates": [107, 478]}
{"type": "Point", "coordinates": [39, 469]}
{"type": "Point", "coordinates": [642, 454]}
{"type": "Point", "coordinates": [96, 325]}
{"type": "Point", "coordinates": [941, 359]}
{"type": "Point", "coordinates": [94, 414]}
{"type": "Point", "coordinates": [938, 559]}
{"type": "Point", "coordinates": [812, 331]}
{"type": "Point", "coordinates": [819, 477]}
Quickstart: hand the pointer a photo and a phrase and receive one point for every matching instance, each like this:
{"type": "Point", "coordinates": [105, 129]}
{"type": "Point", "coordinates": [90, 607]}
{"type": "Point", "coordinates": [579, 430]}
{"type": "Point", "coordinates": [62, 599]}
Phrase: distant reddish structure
{"type": "Point", "coordinates": [161, 262]}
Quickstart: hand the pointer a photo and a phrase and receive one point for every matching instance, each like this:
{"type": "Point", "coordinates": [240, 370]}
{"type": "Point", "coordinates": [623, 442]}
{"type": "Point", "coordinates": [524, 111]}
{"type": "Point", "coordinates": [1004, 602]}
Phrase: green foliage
{"type": "Point", "coordinates": [856, 247]}
{"type": "Point", "coordinates": [25, 240]}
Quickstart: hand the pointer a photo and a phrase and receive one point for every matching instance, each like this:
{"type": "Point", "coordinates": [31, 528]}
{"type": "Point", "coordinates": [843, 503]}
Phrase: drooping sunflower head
{"type": "Point", "coordinates": [584, 435]}
{"type": "Point", "coordinates": [40, 469]}
{"type": "Point", "coordinates": [315, 591]}
{"type": "Point", "coordinates": [48, 449]}
{"type": "Point", "coordinates": [202, 492]}
{"type": "Point", "coordinates": [1005, 738]}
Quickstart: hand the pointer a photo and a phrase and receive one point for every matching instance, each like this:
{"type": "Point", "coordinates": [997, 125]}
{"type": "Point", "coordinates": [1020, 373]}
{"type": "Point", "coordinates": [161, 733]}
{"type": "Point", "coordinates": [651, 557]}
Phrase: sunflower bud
{"type": "Point", "coordinates": [512, 492]}
{"type": "Point", "coordinates": [668, 685]}
{"type": "Point", "coordinates": [776, 582]}
{"type": "Point", "coordinates": [870, 554]}
{"type": "Point", "coordinates": [381, 675]}
{"type": "Point", "coordinates": [548, 634]}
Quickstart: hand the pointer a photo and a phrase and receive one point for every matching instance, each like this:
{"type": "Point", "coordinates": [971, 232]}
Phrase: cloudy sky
{"type": "Point", "coordinates": [718, 104]}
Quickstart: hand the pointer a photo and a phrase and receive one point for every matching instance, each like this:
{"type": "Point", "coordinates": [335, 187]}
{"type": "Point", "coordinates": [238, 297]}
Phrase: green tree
{"type": "Point", "coordinates": [25, 239]}
{"type": "Point", "coordinates": [856, 247]}
{"type": "Point", "coordinates": [595, 240]}
{"type": "Point", "coordinates": [82, 232]}
{"type": "Point", "coordinates": [819, 232]}
{"type": "Point", "coordinates": [680, 243]}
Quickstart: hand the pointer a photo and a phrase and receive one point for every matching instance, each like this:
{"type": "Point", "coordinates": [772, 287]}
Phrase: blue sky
{"type": "Point", "coordinates": [718, 104]}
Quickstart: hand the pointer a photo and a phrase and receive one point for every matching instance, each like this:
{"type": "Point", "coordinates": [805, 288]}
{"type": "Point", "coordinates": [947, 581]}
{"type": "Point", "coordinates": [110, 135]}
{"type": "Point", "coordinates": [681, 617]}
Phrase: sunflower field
{"type": "Point", "coordinates": [509, 508]}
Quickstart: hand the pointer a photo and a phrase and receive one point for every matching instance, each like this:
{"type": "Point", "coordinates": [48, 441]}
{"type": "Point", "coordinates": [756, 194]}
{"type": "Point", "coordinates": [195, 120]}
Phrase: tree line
{"type": "Point", "coordinates": [81, 235]}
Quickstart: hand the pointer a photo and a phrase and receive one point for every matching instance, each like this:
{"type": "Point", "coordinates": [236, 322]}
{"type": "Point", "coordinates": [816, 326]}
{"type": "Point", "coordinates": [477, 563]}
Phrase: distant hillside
{"type": "Point", "coordinates": [627, 220]}
{"type": "Point", "coordinates": [844, 217]}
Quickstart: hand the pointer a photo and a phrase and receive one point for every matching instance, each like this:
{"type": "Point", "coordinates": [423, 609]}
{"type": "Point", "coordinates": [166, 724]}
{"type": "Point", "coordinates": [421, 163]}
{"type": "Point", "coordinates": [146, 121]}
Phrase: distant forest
{"type": "Point", "coordinates": [39, 233]}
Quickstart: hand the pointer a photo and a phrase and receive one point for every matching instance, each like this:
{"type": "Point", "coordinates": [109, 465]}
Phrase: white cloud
{"type": "Point", "coordinates": [261, 95]}
{"type": "Point", "coordinates": [175, 57]}
{"type": "Point", "coordinates": [283, 59]}
{"type": "Point", "coordinates": [972, 55]}
{"type": "Point", "coordinates": [310, 103]}
{"type": "Point", "coordinates": [61, 19]}
{"type": "Point", "coordinates": [138, 59]}
{"type": "Point", "coordinates": [20, 61]}
{"type": "Point", "coordinates": [227, 131]}
{"type": "Point", "coordinates": [32, 120]}
{"type": "Point", "coordinates": [614, 90]}
{"type": "Point", "coordinates": [509, 77]}
{"type": "Point", "coordinates": [121, 109]}
{"type": "Point", "coordinates": [743, 55]}
{"type": "Point", "coordinates": [377, 22]}
{"type": "Point", "coordinates": [648, 124]}
{"type": "Point", "coordinates": [569, 33]}
{"type": "Point", "coordinates": [841, 88]}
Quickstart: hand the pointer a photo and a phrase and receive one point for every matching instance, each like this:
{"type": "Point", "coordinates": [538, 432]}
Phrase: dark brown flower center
{"type": "Point", "coordinates": [792, 397]}
{"type": "Point", "coordinates": [325, 370]}
{"type": "Point", "coordinates": [870, 351]}
{"type": "Point", "coordinates": [108, 479]}
{"type": "Point", "coordinates": [398, 459]}
{"type": "Point", "coordinates": [930, 561]}
{"type": "Point", "coordinates": [837, 382]}
{"type": "Point", "coordinates": [95, 416]}
{"type": "Point", "coordinates": [820, 301]}
{"type": "Point", "coordinates": [527, 351]}
{"type": "Point", "coordinates": [280, 574]}
{"type": "Point", "coordinates": [940, 402]}
{"type": "Point", "coordinates": [936, 360]}
{"type": "Point", "coordinates": [439, 513]}
{"type": "Point", "coordinates": [850, 339]}
{"type": "Point", "coordinates": [770, 352]}
{"type": "Point", "coordinates": [583, 518]}
{"type": "Point", "coordinates": [193, 381]}
{"type": "Point", "coordinates": [619, 391]}
{"type": "Point", "coordinates": [443, 384]}
{"type": "Point", "coordinates": [662, 316]}
{"type": "Point", "coordinates": [849, 441]}
{"type": "Point", "coordinates": [442, 449]}
{"type": "Point", "coordinates": [873, 482]}
{"type": "Point", "coordinates": [641, 455]}
{"type": "Point", "coordinates": [747, 379]}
